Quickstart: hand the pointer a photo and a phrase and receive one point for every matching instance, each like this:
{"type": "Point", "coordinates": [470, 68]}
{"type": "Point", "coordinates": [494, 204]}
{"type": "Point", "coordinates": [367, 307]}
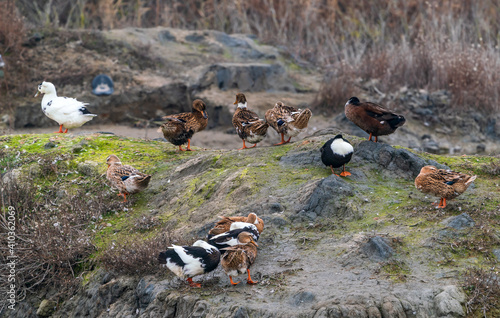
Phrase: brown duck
{"type": "Point", "coordinates": [248, 125]}
{"type": "Point", "coordinates": [238, 259]}
{"type": "Point", "coordinates": [445, 184]}
{"type": "Point", "coordinates": [127, 179]}
{"type": "Point", "coordinates": [224, 224]}
{"type": "Point", "coordinates": [180, 128]}
{"type": "Point", "coordinates": [372, 118]}
{"type": "Point", "coordinates": [287, 120]}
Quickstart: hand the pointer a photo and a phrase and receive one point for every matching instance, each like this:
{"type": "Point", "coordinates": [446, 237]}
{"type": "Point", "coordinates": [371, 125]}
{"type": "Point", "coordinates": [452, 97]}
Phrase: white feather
{"type": "Point", "coordinates": [242, 105]}
{"type": "Point", "coordinates": [240, 225]}
{"type": "Point", "coordinates": [340, 147]}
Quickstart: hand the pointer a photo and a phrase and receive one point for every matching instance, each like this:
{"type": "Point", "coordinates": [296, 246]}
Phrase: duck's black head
{"type": "Point", "coordinates": [337, 137]}
{"type": "Point", "coordinates": [353, 101]}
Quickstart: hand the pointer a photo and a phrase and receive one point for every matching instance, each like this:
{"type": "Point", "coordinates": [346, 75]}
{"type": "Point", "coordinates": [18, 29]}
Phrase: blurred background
{"type": "Point", "coordinates": [435, 62]}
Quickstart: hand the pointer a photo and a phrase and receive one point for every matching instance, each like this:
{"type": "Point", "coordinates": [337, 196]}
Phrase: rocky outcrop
{"type": "Point", "coordinates": [332, 246]}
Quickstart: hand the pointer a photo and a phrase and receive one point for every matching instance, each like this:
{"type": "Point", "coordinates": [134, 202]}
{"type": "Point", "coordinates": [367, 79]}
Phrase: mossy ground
{"type": "Point", "coordinates": [390, 205]}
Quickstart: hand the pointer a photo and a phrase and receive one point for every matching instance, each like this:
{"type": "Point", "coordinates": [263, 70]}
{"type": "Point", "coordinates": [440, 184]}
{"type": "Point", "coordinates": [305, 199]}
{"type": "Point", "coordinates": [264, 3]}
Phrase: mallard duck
{"type": "Point", "coordinates": [238, 259]}
{"type": "Point", "coordinates": [247, 124]}
{"type": "Point", "coordinates": [226, 222]}
{"type": "Point", "coordinates": [191, 261]}
{"type": "Point", "coordinates": [445, 184]}
{"type": "Point", "coordinates": [127, 179]}
{"type": "Point", "coordinates": [336, 152]}
{"type": "Point", "coordinates": [180, 128]}
{"type": "Point", "coordinates": [230, 238]}
{"type": "Point", "coordinates": [372, 118]}
{"type": "Point", "coordinates": [67, 112]}
{"type": "Point", "coordinates": [287, 120]}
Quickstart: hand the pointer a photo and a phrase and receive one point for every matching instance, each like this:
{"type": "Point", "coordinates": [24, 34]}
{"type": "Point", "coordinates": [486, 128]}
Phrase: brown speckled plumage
{"type": "Point", "coordinates": [238, 259]}
{"type": "Point", "coordinates": [127, 179]}
{"type": "Point", "coordinates": [180, 128]}
{"type": "Point", "coordinates": [372, 118]}
{"type": "Point", "coordinates": [445, 184]}
{"type": "Point", "coordinates": [225, 223]}
{"type": "Point", "coordinates": [248, 125]}
{"type": "Point", "coordinates": [287, 120]}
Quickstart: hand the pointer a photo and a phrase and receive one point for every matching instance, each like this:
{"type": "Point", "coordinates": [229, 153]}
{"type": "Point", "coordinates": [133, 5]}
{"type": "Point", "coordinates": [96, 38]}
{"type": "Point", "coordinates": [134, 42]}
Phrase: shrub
{"type": "Point", "coordinates": [52, 230]}
{"type": "Point", "coordinates": [483, 289]}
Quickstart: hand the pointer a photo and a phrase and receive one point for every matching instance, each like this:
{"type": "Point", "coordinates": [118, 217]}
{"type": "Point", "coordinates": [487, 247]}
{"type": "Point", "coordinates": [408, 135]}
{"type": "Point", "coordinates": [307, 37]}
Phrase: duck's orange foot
{"type": "Point", "coordinates": [60, 130]}
{"type": "Point", "coordinates": [251, 282]}
{"type": "Point", "coordinates": [345, 174]}
{"type": "Point", "coordinates": [124, 196]}
{"type": "Point", "coordinates": [231, 280]}
{"type": "Point", "coordinates": [442, 203]}
{"type": "Point", "coordinates": [193, 284]}
{"type": "Point", "coordinates": [180, 148]}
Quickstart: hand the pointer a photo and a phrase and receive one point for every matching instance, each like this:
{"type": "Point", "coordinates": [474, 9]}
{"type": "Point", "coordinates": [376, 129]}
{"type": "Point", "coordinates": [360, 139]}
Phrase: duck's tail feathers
{"type": "Point", "coordinates": [397, 121]}
{"type": "Point", "coordinates": [143, 181]}
{"type": "Point", "coordinates": [302, 119]}
{"type": "Point", "coordinates": [468, 182]}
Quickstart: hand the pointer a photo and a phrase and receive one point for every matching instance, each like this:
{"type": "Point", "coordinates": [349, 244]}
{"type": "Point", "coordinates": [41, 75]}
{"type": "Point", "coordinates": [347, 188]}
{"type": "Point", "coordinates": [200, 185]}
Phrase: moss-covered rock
{"type": "Point", "coordinates": [317, 224]}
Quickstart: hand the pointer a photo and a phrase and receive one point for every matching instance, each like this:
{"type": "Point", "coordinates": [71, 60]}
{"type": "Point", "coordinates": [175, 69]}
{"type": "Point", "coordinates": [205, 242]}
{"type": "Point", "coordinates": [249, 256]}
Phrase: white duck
{"type": "Point", "coordinates": [67, 112]}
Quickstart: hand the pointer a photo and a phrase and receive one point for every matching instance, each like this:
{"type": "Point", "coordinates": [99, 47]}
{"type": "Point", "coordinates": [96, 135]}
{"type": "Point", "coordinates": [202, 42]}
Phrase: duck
{"type": "Point", "coordinates": [248, 125]}
{"type": "Point", "coordinates": [337, 152]}
{"type": "Point", "coordinates": [226, 222]}
{"type": "Point", "coordinates": [238, 259]}
{"type": "Point", "coordinates": [372, 118]}
{"type": "Point", "coordinates": [442, 183]}
{"type": "Point", "coordinates": [180, 128]}
{"type": "Point", "coordinates": [127, 179]}
{"type": "Point", "coordinates": [287, 120]}
{"type": "Point", "coordinates": [67, 112]}
{"type": "Point", "coordinates": [230, 238]}
{"type": "Point", "coordinates": [190, 261]}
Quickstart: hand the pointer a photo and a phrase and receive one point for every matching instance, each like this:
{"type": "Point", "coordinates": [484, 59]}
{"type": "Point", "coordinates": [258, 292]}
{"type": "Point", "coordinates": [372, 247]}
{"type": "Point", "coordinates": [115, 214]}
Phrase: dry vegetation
{"type": "Point", "coordinates": [434, 45]}
{"type": "Point", "coordinates": [53, 230]}
{"type": "Point", "coordinates": [450, 45]}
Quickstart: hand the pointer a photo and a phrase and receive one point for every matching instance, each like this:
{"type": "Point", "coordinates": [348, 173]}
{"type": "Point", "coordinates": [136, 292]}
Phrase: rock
{"type": "Point", "coordinates": [302, 158]}
{"type": "Point", "coordinates": [392, 307]}
{"type": "Point", "coordinates": [241, 312]}
{"type": "Point", "coordinates": [144, 293]}
{"type": "Point", "coordinates": [459, 222]}
{"type": "Point", "coordinates": [447, 305]}
{"type": "Point", "coordinates": [496, 252]}
{"type": "Point", "coordinates": [166, 36]}
{"type": "Point", "coordinates": [50, 145]}
{"type": "Point", "coordinates": [248, 77]}
{"type": "Point", "coordinates": [302, 298]}
{"type": "Point", "coordinates": [12, 177]}
{"type": "Point", "coordinates": [400, 161]}
{"type": "Point", "coordinates": [328, 197]}
{"type": "Point", "coordinates": [377, 249]}
{"type": "Point", "coordinates": [46, 308]}
{"type": "Point", "coordinates": [88, 168]}
{"type": "Point", "coordinates": [373, 312]}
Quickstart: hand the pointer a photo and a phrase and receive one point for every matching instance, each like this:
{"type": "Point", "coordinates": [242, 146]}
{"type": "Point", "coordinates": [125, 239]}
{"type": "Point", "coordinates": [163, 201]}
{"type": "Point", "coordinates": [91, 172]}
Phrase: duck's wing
{"type": "Point", "coordinates": [124, 172]}
{"type": "Point", "coordinates": [377, 111]}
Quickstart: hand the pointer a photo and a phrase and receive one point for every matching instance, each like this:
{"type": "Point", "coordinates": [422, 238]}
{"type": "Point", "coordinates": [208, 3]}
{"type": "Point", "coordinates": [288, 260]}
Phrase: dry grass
{"type": "Point", "coordinates": [136, 257]}
{"type": "Point", "coordinates": [53, 237]}
{"type": "Point", "coordinates": [483, 289]}
{"type": "Point", "coordinates": [419, 44]}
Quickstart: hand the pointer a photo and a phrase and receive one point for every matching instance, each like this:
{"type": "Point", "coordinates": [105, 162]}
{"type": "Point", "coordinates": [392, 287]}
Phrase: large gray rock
{"type": "Point", "coordinates": [401, 162]}
{"type": "Point", "coordinates": [246, 77]}
{"type": "Point", "coordinates": [459, 222]}
{"type": "Point", "coordinates": [377, 249]}
{"type": "Point", "coordinates": [329, 198]}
